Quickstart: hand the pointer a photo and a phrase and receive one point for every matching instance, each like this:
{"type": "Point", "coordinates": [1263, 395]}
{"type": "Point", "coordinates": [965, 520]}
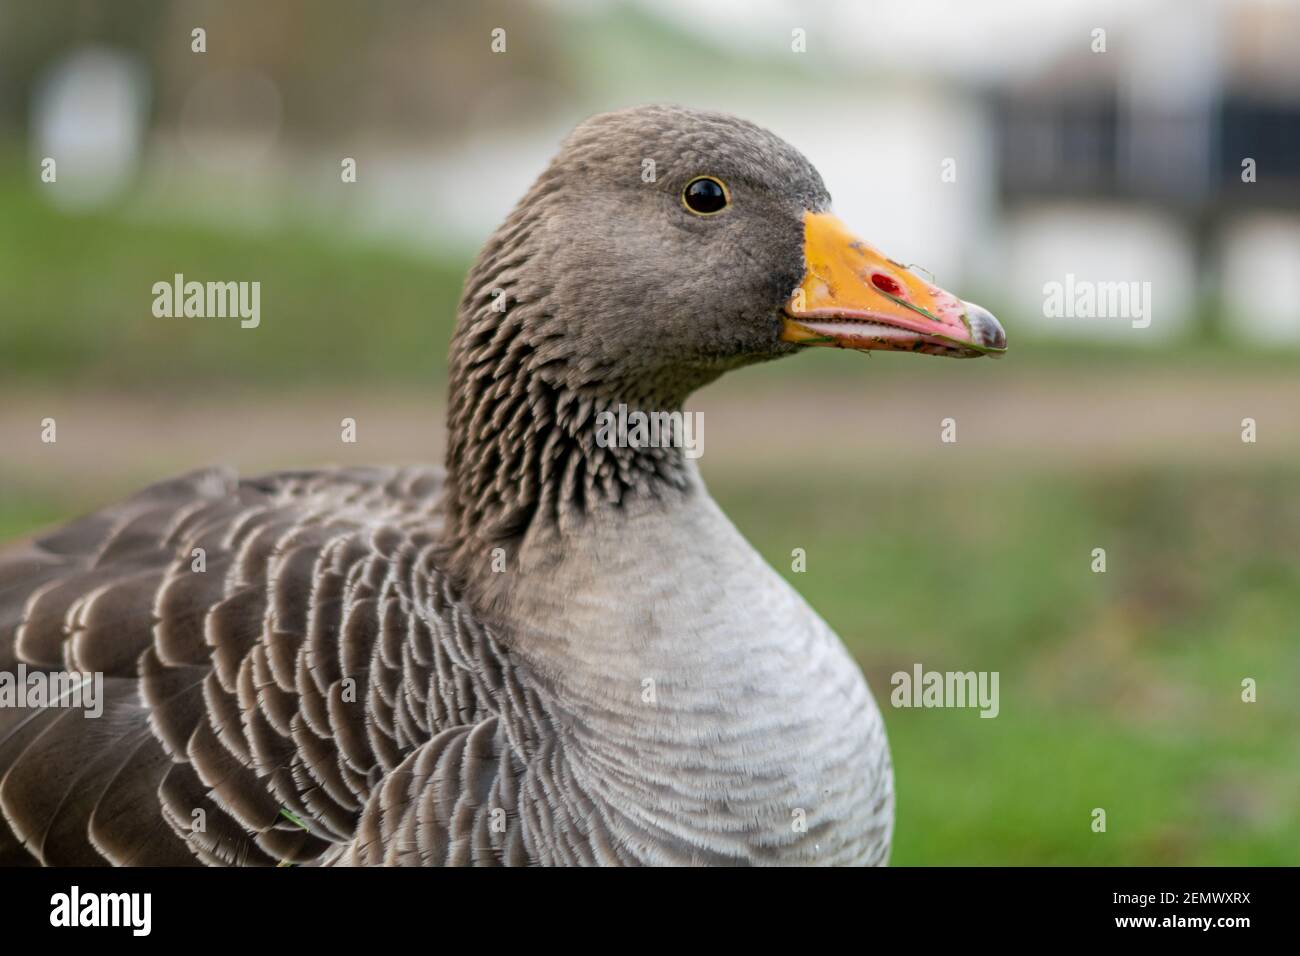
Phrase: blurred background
{"type": "Point", "coordinates": [993, 144]}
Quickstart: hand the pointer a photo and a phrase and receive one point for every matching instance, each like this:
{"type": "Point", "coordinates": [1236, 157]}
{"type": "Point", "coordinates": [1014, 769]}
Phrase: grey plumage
{"type": "Point", "coordinates": [562, 653]}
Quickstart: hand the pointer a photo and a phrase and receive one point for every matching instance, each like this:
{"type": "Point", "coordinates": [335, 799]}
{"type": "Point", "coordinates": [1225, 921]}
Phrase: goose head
{"type": "Point", "coordinates": [677, 243]}
{"type": "Point", "coordinates": [662, 247]}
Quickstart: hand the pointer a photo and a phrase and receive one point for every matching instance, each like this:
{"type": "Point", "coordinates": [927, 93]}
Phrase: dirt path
{"type": "Point", "coordinates": [1120, 419]}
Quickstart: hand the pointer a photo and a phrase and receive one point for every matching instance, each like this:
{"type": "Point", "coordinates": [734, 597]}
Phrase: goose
{"type": "Point", "coordinates": [556, 651]}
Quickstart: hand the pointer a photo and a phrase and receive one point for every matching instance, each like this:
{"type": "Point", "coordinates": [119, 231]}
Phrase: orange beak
{"type": "Point", "coordinates": [854, 297]}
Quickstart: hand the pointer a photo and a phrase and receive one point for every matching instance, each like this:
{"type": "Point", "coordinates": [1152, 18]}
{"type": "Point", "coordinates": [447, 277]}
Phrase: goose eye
{"type": "Point", "coordinates": [705, 195]}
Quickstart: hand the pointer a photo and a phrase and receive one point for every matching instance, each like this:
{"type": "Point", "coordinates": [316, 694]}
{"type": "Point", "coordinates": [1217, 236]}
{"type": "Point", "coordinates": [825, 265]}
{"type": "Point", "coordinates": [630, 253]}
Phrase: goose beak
{"type": "Point", "coordinates": [854, 297]}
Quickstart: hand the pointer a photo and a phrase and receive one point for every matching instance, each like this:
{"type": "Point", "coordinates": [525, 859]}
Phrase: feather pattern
{"type": "Point", "coordinates": [252, 706]}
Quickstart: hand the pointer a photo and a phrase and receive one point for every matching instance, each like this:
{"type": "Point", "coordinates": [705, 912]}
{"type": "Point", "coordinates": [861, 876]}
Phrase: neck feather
{"type": "Point", "coordinates": [523, 454]}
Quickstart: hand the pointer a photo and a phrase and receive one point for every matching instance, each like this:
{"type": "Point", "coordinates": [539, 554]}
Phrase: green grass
{"type": "Point", "coordinates": [78, 302]}
{"type": "Point", "coordinates": [22, 512]}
